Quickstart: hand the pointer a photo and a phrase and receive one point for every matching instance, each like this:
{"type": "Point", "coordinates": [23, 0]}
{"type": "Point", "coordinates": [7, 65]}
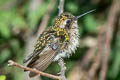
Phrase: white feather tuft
{"type": "Point", "coordinates": [73, 43]}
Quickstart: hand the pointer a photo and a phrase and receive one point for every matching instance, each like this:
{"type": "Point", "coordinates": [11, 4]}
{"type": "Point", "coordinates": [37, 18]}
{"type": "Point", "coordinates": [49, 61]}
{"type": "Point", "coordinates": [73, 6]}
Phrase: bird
{"type": "Point", "coordinates": [58, 41]}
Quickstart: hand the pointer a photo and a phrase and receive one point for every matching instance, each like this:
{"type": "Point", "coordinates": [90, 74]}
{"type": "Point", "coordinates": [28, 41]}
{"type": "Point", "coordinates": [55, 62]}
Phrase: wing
{"type": "Point", "coordinates": [41, 43]}
{"type": "Point", "coordinates": [47, 47]}
{"type": "Point", "coordinates": [43, 60]}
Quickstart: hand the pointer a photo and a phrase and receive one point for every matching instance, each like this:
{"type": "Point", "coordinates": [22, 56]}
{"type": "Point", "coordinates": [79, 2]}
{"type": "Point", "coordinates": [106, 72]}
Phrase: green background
{"type": "Point", "coordinates": [19, 23]}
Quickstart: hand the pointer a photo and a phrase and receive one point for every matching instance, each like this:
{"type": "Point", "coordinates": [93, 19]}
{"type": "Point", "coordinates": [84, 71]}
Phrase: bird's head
{"type": "Point", "coordinates": [66, 20]}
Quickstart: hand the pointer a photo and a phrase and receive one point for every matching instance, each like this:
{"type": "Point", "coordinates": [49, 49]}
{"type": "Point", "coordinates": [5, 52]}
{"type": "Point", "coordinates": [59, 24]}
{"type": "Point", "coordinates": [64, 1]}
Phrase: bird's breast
{"type": "Point", "coordinates": [71, 45]}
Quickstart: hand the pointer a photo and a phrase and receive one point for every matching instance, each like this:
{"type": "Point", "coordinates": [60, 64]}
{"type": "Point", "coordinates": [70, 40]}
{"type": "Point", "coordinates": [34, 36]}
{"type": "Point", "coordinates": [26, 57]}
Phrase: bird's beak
{"type": "Point", "coordinates": [77, 17]}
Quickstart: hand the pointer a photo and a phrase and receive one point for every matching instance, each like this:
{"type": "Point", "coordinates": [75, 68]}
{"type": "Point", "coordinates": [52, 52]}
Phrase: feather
{"type": "Point", "coordinates": [39, 45]}
{"type": "Point", "coordinates": [28, 58]}
{"type": "Point", "coordinates": [41, 62]}
{"type": "Point", "coordinates": [31, 55]}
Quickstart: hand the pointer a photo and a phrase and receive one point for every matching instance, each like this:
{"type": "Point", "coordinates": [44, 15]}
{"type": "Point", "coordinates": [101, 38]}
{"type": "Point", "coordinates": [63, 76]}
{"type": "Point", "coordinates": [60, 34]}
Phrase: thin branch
{"type": "Point", "coordinates": [61, 7]}
{"type": "Point", "coordinates": [96, 63]}
{"type": "Point", "coordinates": [109, 34]}
{"type": "Point", "coordinates": [12, 63]}
{"type": "Point", "coordinates": [88, 56]}
{"type": "Point", "coordinates": [94, 66]}
{"type": "Point", "coordinates": [61, 61]}
{"type": "Point", "coordinates": [63, 68]}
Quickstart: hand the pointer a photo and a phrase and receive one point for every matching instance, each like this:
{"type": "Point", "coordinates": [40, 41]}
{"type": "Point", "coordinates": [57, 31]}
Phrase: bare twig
{"type": "Point", "coordinates": [109, 33]}
{"type": "Point", "coordinates": [12, 63]}
{"type": "Point", "coordinates": [61, 7]}
{"type": "Point", "coordinates": [61, 61]}
{"type": "Point", "coordinates": [96, 63]}
{"type": "Point", "coordinates": [88, 56]}
{"type": "Point", "coordinates": [46, 17]}
{"type": "Point", "coordinates": [63, 69]}
{"type": "Point", "coordinates": [94, 66]}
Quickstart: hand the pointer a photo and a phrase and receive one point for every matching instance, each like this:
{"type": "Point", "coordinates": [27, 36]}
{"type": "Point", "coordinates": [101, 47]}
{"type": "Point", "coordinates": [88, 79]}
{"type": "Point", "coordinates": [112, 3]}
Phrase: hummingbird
{"type": "Point", "coordinates": [58, 41]}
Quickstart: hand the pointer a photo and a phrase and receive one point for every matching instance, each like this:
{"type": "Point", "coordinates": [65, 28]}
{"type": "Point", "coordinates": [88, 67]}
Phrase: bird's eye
{"type": "Point", "coordinates": [68, 21]}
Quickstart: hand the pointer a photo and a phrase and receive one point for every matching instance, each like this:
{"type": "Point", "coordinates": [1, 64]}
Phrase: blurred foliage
{"type": "Point", "coordinates": [90, 23]}
{"type": "Point", "coordinates": [34, 16]}
{"type": "Point", "coordinates": [2, 77]}
{"type": "Point", "coordinates": [17, 20]}
{"type": "Point", "coordinates": [114, 70]}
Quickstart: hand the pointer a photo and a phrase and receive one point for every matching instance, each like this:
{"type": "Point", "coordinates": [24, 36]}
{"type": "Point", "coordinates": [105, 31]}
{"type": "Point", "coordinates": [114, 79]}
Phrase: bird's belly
{"type": "Point", "coordinates": [71, 47]}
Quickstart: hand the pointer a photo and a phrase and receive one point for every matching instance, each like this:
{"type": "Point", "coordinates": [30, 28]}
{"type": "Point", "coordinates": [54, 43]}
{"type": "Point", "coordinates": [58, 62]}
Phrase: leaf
{"type": "Point", "coordinates": [2, 77]}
